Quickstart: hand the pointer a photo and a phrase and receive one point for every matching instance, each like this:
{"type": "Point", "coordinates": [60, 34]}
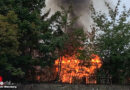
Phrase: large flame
{"type": "Point", "coordinates": [71, 69]}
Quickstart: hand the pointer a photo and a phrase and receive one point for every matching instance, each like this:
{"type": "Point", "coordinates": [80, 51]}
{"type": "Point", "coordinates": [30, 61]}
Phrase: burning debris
{"type": "Point", "coordinates": [72, 69]}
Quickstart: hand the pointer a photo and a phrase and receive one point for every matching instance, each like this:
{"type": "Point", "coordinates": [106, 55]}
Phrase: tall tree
{"type": "Point", "coordinates": [114, 41]}
{"type": "Point", "coordinates": [9, 44]}
{"type": "Point", "coordinates": [21, 28]}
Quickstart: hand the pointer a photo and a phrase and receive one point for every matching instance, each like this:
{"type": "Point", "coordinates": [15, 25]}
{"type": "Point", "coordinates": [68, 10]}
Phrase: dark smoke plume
{"type": "Point", "coordinates": [78, 5]}
{"type": "Point", "coordinates": [80, 9]}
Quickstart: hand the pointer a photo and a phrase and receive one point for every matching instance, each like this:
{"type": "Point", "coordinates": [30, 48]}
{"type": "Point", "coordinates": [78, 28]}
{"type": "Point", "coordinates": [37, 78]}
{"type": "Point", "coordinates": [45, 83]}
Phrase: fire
{"type": "Point", "coordinates": [72, 70]}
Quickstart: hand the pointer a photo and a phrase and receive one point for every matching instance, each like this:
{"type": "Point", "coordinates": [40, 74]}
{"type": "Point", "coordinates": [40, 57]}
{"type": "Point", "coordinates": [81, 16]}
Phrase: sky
{"type": "Point", "coordinates": [123, 2]}
{"type": "Point", "coordinates": [126, 2]}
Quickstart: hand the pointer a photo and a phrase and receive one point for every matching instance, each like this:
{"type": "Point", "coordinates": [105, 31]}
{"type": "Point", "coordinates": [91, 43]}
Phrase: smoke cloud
{"type": "Point", "coordinates": [80, 9]}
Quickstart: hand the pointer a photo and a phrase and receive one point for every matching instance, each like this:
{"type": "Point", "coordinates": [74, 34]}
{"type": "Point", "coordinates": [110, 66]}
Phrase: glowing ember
{"type": "Point", "coordinates": [72, 69]}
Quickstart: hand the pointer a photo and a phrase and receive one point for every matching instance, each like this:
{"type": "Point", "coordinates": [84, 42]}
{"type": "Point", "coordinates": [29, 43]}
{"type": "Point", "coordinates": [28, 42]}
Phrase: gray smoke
{"type": "Point", "coordinates": [80, 9]}
{"type": "Point", "coordinates": [79, 6]}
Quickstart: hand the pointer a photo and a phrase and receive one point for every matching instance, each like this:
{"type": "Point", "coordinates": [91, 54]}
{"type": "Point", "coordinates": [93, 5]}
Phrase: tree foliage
{"type": "Point", "coordinates": [22, 27]}
{"type": "Point", "coordinates": [8, 34]}
{"type": "Point", "coordinates": [114, 42]}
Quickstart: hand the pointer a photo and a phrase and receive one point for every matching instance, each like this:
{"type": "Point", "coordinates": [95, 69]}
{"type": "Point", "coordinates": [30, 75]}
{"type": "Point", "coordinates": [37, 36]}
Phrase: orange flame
{"type": "Point", "coordinates": [71, 68]}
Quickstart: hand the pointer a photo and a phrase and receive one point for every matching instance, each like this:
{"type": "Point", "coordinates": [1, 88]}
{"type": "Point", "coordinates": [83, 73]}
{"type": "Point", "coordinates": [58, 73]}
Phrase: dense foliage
{"type": "Point", "coordinates": [113, 42]}
{"type": "Point", "coordinates": [21, 29]}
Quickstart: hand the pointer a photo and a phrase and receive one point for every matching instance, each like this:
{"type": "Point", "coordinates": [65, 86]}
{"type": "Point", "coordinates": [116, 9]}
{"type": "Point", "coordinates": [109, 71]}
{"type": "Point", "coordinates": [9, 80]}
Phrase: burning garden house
{"type": "Point", "coordinates": [70, 69]}
{"type": "Point", "coordinates": [73, 70]}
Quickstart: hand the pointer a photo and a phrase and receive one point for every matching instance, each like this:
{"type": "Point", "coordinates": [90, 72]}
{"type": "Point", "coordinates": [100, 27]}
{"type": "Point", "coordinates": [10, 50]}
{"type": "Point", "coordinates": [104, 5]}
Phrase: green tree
{"type": "Point", "coordinates": [21, 26]}
{"type": "Point", "coordinates": [34, 39]}
{"type": "Point", "coordinates": [9, 44]}
{"type": "Point", "coordinates": [72, 39]}
{"type": "Point", "coordinates": [114, 41]}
